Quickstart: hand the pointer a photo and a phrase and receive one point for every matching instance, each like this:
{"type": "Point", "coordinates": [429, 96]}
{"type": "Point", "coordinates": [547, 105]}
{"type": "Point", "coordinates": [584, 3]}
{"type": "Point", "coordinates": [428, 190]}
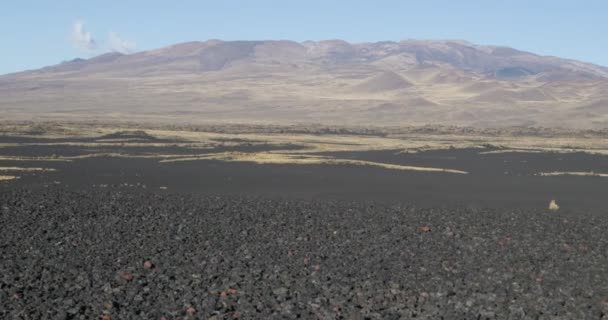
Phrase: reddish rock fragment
{"type": "Point", "coordinates": [426, 229]}
{"type": "Point", "coordinates": [228, 292]}
{"type": "Point", "coordinates": [127, 276]}
{"type": "Point", "coordinates": [191, 311]}
{"type": "Point", "coordinates": [148, 264]}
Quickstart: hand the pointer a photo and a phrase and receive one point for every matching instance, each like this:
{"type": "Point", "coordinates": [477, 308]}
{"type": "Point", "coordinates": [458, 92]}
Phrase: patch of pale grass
{"type": "Point", "coordinates": [400, 167]}
{"type": "Point", "coordinates": [25, 169]}
{"type": "Point", "coordinates": [107, 144]}
{"type": "Point", "coordinates": [91, 155]}
{"type": "Point", "coordinates": [512, 151]}
{"type": "Point", "coordinates": [407, 141]}
{"type": "Point", "coordinates": [574, 173]}
{"type": "Point", "coordinates": [123, 155]}
{"type": "Point", "coordinates": [21, 158]}
{"type": "Point", "coordinates": [544, 150]}
{"type": "Point", "coordinates": [301, 159]}
{"type": "Point", "coordinates": [312, 143]}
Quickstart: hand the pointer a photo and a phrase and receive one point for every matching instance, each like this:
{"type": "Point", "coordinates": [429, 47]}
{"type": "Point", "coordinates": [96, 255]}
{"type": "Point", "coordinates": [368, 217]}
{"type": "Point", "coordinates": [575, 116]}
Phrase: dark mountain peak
{"type": "Point", "coordinates": [106, 57]}
{"type": "Point", "coordinates": [75, 60]}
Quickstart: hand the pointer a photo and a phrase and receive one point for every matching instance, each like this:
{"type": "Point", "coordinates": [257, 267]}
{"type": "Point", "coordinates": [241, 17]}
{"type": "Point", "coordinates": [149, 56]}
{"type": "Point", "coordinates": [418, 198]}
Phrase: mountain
{"type": "Point", "coordinates": [332, 82]}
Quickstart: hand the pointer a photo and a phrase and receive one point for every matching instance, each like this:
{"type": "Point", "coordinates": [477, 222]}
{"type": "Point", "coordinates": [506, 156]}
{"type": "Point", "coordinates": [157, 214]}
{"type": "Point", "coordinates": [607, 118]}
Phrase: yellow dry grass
{"type": "Point", "coordinates": [23, 169]}
{"type": "Point", "coordinates": [574, 173]}
{"type": "Point", "coordinates": [393, 136]}
{"type": "Point", "coordinates": [91, 155]}
{"type": "Point", "coordinates": [24, 158]}
{"type": "Point", "coordinates": [309, 141]}
{"type": "Point", "coordinates": [281, 158]}
{"type": "Point", "coordinates": [547, 149]}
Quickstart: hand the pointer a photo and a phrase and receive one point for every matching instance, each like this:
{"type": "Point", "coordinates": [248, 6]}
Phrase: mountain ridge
{"type": "Point", "coordinates": [331, 81]}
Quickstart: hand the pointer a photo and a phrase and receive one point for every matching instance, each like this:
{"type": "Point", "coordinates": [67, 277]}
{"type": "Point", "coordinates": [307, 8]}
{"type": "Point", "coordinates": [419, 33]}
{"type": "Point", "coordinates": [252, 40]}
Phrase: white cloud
{"type": "Point", "coordinates": [118, 44]}
{"type": "Point", "coordinates": [82, 39]}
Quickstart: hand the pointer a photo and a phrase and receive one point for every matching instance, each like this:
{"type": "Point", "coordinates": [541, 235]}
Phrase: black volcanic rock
{"type": "Point", "coordinates": [82, 255]}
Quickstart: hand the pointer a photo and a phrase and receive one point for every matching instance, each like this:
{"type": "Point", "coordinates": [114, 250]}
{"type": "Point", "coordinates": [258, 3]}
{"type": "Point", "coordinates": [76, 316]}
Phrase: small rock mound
{"type": "Point", "coordinates": [131, 135]}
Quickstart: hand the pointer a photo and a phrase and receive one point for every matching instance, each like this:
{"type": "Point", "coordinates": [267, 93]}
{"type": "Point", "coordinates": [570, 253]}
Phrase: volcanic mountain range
{"type": "Point", "coordinates": [411, 82]}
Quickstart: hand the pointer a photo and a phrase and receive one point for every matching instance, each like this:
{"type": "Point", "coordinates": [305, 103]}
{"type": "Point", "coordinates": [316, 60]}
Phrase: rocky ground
{"type": "Point", "coordinates": [134, 255]}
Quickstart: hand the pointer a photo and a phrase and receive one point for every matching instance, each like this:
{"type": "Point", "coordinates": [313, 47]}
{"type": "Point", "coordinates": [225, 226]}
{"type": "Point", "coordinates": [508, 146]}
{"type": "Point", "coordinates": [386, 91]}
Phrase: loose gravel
{"type": "Point", "coordinates": [134, 255]}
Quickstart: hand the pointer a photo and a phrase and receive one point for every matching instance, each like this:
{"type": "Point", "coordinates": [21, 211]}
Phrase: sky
{"type": "Point", "coordinates": [34, 34]}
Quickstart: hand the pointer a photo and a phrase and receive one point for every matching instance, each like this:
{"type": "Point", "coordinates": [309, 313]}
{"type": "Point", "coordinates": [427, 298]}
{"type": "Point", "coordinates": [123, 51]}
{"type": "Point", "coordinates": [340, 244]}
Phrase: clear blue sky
{"type": "Point", "coordinates": [39, 33]}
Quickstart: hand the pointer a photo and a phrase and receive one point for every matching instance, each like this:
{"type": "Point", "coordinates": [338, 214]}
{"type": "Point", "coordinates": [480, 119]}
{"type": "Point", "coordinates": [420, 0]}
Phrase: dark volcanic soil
{"type": "Point", "coordinates": [499, 180]}
{"type": "Point", "coordinates": [502, 180]}
{"type": "Point", "coordinates": [80, 255]}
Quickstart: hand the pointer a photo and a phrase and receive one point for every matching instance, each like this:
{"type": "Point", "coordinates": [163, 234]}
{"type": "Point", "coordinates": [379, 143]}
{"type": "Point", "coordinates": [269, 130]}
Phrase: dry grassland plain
{"type": "Point", "coordinates": [282, 145]}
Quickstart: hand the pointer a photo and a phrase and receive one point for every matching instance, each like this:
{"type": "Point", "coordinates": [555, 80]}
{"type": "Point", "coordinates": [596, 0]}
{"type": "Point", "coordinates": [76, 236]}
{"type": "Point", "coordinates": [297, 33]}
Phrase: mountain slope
{"type": "Point", "coordinates": [385, 83]}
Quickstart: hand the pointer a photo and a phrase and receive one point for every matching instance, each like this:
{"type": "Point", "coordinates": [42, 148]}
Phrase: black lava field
{"type": "Point", "coordinates": [129, 254]}
{"type": "Point", "coordinates": [132, 237]}
{"type": "Point", "coordinates": [502, 180]}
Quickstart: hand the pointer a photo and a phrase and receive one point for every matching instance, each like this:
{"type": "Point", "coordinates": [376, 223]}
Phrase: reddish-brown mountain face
{"type": "Point", "coordinates": [333, 82]}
